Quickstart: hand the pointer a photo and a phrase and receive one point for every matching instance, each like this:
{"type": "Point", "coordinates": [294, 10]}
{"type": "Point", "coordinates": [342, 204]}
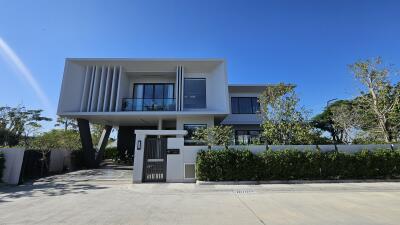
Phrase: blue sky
{"type": "Point", "coordinates": [308, 43]}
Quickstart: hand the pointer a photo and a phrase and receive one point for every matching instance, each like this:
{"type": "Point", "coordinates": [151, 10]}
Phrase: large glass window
{"type": "Point", "coordinates": [168, 91]}
{"type": "Point", "coordinates": [244, 105]}
{"type": "Point", "coordinates": [153, 91]}
{"type": "Point", "coordinates": [191, 128]}
{"type": "Point", "coordinates": [151, 97]}
{"type": "Point", "coordinates": [194, 96]}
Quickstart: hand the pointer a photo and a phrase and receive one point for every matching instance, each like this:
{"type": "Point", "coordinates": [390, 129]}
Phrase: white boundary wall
{"type": "Point", "coordinates": [187, 154]}
{"type": "Point", "coordinates": [59, 159]}
{"type": "Point", "coordinates": [14, 158]}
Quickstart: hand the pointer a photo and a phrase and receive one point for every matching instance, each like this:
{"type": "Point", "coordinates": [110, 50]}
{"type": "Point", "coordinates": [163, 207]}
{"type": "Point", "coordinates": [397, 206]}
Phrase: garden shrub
{"type": "Point", "coordinates": [111, 153]}
{"type": "Point", "coordinates": [236, 165]}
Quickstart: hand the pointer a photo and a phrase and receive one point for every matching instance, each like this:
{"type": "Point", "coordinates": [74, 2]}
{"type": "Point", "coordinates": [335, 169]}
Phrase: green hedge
{"type": "Point", "coordinates": [2, 162]}
{"type": "Point", "coordinates": [236, 165]}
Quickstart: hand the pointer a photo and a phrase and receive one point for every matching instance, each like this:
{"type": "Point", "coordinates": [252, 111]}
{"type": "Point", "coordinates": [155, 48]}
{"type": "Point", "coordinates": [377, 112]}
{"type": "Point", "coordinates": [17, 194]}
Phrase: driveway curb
{"type": "Point", "coordinates": [293, 182]}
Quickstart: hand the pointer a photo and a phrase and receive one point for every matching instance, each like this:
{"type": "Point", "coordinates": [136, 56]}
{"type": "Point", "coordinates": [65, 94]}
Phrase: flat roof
{"type": "Point", "coordinates": [149, 59]}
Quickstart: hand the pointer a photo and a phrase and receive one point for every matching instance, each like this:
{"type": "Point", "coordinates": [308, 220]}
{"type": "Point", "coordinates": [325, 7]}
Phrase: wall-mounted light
{"type": "Point", "coordinates": [139, 145]}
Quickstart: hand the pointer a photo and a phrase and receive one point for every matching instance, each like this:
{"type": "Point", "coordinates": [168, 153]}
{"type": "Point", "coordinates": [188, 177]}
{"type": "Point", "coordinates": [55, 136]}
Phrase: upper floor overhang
{"type": "Point", "coordinates": [100, 85]}
{"type": "Point", "coordinates": [153, 65]}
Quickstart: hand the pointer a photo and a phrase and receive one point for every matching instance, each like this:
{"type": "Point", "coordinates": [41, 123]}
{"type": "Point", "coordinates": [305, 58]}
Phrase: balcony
{"type": "Point", "coordinates": [148, 104]}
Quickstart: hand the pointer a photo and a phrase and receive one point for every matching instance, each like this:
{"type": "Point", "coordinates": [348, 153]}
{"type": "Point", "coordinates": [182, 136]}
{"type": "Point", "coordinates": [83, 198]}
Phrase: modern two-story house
{"type": "Point", "coordinates": [156, 105]}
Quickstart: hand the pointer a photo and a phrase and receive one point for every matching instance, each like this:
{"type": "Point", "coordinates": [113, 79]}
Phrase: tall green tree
{"type": "Point", "coordinates": [21, 122]}
{"type": "Point", "coordinates": [284, 121]}
{"type": "Point", "coordinates": [66, 123]}
{"type": "Point", "coordinates": [338, 119]}
{"type": "Point", "coordinates": [379, 100]}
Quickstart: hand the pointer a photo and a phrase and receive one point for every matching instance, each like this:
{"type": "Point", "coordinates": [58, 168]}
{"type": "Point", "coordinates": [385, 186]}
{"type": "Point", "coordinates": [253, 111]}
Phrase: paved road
{"type": "Point", "coordinates": [108, 197]}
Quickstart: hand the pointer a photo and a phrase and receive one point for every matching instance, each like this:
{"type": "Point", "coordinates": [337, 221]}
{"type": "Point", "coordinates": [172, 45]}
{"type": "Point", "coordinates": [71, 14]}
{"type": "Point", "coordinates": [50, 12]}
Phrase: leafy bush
{"type": "Point", "coordinates": [111, 153]}
{"type": "Point", "coordinates": [236, 165]}
{"type": "Point", "coordinates": [2, 162]}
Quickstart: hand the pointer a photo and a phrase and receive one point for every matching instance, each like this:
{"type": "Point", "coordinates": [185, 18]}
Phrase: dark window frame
{"type": "Point", "coordinates": [153, 94]}
{"type": "Point", "coordinates": [205, 91]}
{"type": "Point", "coordinates": [237, 111]}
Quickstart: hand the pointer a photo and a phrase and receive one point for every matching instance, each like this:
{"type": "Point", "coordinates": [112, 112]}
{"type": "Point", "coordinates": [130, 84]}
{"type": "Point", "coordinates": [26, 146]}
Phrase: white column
{"type": "Point", "coordinates": [177, 88]}
{"type": "Point", "coordinates": [159, 127]}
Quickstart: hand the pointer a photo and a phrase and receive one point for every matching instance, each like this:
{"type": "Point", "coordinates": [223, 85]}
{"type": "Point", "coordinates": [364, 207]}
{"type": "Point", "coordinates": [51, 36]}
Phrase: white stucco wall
{"type": "Point", "coordinates": [59, 159]}
{"type": "Point", "coordinates": [14, 158]}
{"type": "Point", "coordinates": [174, 161]}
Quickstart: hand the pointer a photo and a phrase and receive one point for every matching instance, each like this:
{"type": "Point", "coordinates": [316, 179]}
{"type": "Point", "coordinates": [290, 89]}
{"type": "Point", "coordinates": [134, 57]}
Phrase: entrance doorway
{"type": "Point", "coordinates": [155, 160]}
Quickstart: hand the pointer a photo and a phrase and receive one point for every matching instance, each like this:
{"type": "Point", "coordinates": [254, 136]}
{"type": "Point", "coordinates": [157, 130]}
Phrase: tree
{"type": "Point", "coordinates": [379, 99]}
{"type": "Point", "coordinates": [66, 123]}
{"type": "Point", "coordinates": [343, 122]}
{"type": "Point", "coordinates": [223, 135]}
{"type": "Point", "coordinates": [338, 119]}
{"type": "Point", "coordinates": [284, 121]}
{"type": "Point", "coordinates": [21, 122]}
{"type": "Point", "coordinates": [54, 140]}
{"type": "Point", "coordinates": [217, 135]}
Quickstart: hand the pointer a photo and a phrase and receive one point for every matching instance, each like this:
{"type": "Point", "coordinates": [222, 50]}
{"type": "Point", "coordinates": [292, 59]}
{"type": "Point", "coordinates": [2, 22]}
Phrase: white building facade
{"type": "Point", "coordinates": [156, 105]}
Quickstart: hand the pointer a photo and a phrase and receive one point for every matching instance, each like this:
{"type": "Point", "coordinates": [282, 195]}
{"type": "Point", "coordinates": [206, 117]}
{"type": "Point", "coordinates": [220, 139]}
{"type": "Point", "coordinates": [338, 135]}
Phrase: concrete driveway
{"type": "Point", "coordinates": [108, 197]}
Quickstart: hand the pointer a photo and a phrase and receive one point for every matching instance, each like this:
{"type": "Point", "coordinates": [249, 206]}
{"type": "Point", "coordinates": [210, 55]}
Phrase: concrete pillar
{"type": "Point", "coordinates": [138, 160]}
{"type": "Point", "coordinates": [102, 143]}
{"type": "Point", "coordinates": [87, 144]}
{"type": "Point", "coordinates": [160, 123]}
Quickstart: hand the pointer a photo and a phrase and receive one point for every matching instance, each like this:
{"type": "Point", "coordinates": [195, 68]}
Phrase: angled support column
{"type": "Point", "coordinates": [87, 144]}
{"type": "Point", "coordinates": [126, 142]}
{"type": "Point", "coordinates": [102, 143]}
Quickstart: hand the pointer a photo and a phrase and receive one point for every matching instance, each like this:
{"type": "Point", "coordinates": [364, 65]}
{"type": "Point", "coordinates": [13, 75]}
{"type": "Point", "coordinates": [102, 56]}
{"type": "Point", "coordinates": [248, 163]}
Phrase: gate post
{"type": "Point", "coordinates": [139, 157]}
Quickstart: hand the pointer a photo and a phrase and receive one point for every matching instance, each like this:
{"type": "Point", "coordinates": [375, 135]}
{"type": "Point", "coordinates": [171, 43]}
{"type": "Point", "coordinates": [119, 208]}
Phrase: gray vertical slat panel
{"type": "Point", "coordinates": [107, 93]}
{"type": "Point", "coordinates": [113, 89]}
{"type": "Point", "coordinates": [100, 101]}
{"type": "Point", "coordinates": [93, 72]}
{"type": "Point", "coordinates": [96, 87]}
{"type": "Point", "coordinates": [86, 87]}
{"type": "Point", "coordinates": [118, 100]}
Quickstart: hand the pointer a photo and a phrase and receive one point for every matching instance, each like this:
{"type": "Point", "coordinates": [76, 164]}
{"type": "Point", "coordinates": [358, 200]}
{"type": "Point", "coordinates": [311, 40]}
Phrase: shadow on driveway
{"type": "Point", "coordinates": [78, 182]}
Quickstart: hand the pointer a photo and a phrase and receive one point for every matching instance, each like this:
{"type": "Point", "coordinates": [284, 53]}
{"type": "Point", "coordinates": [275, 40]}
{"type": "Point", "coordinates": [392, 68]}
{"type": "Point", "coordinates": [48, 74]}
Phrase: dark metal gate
{"type": "Point", "coordinates": [155, 160]}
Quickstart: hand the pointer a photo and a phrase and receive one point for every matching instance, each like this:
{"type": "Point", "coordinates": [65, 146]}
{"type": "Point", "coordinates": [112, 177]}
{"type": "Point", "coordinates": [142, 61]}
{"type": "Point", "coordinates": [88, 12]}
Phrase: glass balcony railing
{"type": "Point", "coordinates": [148, 104]}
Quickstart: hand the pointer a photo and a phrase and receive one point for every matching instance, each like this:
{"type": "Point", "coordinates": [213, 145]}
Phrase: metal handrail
{"type": "Point", "coordinates": [148, 104]}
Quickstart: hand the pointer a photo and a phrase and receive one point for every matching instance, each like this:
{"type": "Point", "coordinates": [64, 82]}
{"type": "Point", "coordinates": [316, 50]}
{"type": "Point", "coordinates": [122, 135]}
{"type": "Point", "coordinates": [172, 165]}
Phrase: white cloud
{"type": "Point", "coordinates": [13, 60]}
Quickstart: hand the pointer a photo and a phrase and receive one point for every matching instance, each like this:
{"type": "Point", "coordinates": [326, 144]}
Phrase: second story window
{"type": "Point", "coordinates": [244, 105]}
{"type": "Point", "coordinates": [151, 97]}
{"type": "Point", "coordinates": [194, 96]}
{"type": "Point", "coordinates": [153, 91]}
